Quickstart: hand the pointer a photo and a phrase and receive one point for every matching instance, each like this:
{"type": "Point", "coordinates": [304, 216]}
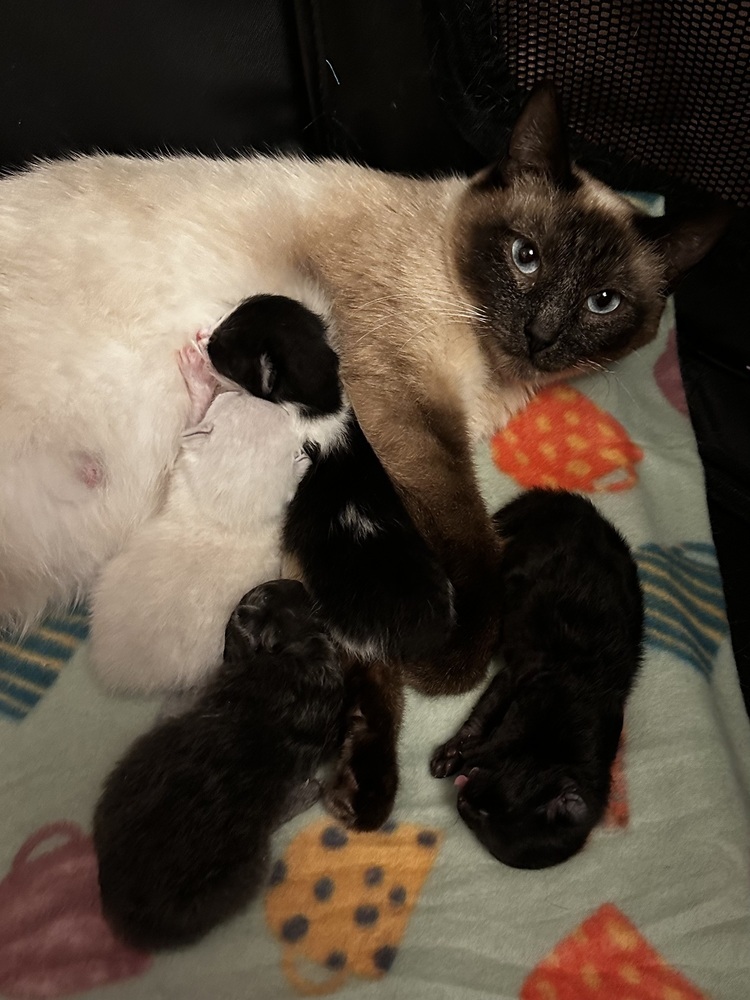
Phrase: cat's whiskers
{"type": "Point", "coordinates": [448, 307]}
{"type": "Point", "coordinates": [602, 370]}
{"type": "Point", "coordinates": [455, 316]}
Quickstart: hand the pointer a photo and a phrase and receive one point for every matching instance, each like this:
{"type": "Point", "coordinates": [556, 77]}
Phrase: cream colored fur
{"type": "Point", "coordinates": [162, 603]}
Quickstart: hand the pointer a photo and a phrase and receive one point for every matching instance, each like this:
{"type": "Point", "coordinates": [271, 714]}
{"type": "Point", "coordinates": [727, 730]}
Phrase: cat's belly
{"type": "Point", "coordinates": [85, 441]}
{"type": "Point", "coordinates": [92, 406]}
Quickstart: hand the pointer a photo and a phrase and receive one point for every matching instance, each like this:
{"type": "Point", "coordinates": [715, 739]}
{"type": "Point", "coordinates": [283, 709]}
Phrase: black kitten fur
{"type": "Point", "coordinates": [378, 585]}
{"type": "Point", "coordinates": [277, 349]}
{"type": "Point", "coordinates": [376, 582]}
{"type": "Point", "coordinates": [182, 829]}
{"type": "Point", "coordinates": [534, 756]}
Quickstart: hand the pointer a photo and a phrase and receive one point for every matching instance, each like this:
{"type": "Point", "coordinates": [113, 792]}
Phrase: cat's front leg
{"type": "Point", "coordinates": [425, 448]}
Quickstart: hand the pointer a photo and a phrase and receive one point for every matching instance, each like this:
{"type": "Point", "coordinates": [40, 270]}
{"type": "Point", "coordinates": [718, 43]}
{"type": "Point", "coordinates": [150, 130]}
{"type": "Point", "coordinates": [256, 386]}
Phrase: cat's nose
{"type": "Point", "coordinates": [540, 335]}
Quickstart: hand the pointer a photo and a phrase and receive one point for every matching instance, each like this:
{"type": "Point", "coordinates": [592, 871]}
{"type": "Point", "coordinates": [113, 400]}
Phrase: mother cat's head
{"type": "Point", "coordinates": [564, 271]}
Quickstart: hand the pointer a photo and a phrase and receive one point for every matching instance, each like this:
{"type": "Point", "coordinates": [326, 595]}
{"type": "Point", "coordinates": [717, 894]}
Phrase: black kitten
{"type": "Point", "coordinates": [377, 584]}
{"type": "Point", "coordinates": [182, 829]}
{"type": "Point", "coordinates": [533, 759]}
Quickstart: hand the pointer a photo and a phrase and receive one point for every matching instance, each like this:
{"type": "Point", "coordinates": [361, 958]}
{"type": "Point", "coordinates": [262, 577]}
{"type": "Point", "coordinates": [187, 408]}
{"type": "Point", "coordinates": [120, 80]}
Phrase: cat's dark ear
{"type": "Point", "coordinates": [567, 805]}
{"type": "Point", "coordinates": [684, 238]}
{"type": "Point", "coordinates": [537, 143]}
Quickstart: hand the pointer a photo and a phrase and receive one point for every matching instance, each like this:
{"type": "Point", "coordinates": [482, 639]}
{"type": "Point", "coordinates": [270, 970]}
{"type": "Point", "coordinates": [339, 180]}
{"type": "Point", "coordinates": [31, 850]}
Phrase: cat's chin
{"type": "Point", "coordinates": [521, 370]}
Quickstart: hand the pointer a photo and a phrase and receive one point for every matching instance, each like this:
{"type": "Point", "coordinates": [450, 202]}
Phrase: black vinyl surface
{"type": "Point", "coordinates": [147, 76]}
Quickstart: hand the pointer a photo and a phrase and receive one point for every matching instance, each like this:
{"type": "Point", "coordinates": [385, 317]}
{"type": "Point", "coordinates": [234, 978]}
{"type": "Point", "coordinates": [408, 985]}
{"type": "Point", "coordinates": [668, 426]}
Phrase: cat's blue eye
{"type": "Point", "coordinates": [525, 256]}
{"type": "Point", "coordinates": [605, 301]}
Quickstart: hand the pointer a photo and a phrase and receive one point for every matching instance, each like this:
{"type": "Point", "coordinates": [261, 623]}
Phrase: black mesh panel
{"type": "Point", "coordinates": [666, 84]}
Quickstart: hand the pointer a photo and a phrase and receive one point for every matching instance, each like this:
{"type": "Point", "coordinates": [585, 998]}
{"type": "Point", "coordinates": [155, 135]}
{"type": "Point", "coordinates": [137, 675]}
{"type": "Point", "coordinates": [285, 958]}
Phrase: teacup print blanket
{"type": "Point", "coordinates": [656, 906]}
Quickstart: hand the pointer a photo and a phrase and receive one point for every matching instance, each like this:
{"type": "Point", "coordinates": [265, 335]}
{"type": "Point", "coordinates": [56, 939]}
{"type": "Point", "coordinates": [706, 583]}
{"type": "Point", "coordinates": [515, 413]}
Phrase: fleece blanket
{"type": "Point", "coordinates": [657, 905]}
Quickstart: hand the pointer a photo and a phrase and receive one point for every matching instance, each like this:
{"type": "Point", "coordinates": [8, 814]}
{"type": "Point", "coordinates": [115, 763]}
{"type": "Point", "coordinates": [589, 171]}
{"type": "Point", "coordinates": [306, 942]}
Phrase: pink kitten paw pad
{"type": "Point", "coordinates": [190, 359]}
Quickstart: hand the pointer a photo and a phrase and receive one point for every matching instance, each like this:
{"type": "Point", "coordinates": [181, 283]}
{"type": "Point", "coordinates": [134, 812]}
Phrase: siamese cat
{"type": "Point", "coordinates": [451, 301]}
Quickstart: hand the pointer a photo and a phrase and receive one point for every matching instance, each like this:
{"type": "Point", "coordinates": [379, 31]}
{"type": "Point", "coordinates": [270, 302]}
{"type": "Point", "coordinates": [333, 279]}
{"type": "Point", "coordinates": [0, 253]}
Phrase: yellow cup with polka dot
{"type": "Point", "coordinates": [340, 902]}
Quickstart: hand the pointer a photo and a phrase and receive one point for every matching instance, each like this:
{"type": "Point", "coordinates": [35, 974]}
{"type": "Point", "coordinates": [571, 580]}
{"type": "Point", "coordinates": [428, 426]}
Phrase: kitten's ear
{"type": "Point", "coordinates": [684, 238]}
{"type": "Point", "coordinates": [537, 142]}
{"type": "Point", "coordinates": [568, 805]}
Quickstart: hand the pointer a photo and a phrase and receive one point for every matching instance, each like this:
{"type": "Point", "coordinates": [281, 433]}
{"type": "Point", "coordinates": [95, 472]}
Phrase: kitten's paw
{"type": "Point", "coordinates": [338, 799]}
{"type": "Point", "coordinates": [192, 363]}
{"type": "Point", "coordinates": [448, 758]}
{"type": "Point", "coordinates": [365, 783]}
{"type": "Point", "coordinates": [199, 379]}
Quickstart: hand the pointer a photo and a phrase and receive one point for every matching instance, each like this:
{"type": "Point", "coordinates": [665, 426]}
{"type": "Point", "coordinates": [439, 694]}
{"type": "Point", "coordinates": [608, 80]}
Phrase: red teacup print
{"type": "Point", "coordinates": [617, 816]}
{"type": "Point", "coordinates": [54, 940]}
{"type": "Point", "coordinates": [668, 377]}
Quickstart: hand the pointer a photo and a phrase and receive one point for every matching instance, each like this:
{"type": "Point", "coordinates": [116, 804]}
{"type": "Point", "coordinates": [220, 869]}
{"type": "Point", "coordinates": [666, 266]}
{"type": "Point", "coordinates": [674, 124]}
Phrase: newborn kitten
{"type": "Point", "coordinates": [182, 830]}
{"type": "Point", "coordinates": [160, 607]}
{"type": "Point", "coordinates": [377, 584]}
{"type": "Point", "coordinates": [533, 759]}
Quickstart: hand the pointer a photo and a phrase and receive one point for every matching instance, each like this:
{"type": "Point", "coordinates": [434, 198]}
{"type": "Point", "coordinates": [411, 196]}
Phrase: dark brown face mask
{"type": "Point", "coordinates": [565, 271]}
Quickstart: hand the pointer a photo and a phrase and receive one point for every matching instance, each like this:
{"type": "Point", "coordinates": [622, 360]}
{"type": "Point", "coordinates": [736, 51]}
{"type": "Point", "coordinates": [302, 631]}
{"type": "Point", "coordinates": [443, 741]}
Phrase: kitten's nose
{"type": "Point", "coordinates": [539, 335]}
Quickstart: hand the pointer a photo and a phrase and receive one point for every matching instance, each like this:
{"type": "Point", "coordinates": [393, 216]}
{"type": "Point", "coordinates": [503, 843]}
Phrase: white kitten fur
{"type": "Point", "coordinates": [162, 604]}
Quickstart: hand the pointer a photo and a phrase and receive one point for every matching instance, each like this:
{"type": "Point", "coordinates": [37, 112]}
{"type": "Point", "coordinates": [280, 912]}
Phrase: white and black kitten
{"type": "Point", "coordinates": [533, 759]}
{"type": "Point", "coordinates": [376, 582]}
{"type": "Point", "coordinates": [182, 830]}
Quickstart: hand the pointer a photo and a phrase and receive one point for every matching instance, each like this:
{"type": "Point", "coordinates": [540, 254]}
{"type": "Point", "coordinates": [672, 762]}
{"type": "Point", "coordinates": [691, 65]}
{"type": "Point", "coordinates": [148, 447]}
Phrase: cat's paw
{"type": "Point", "coordinates": [361, 807]}
{"type": "Point", "coordinates": [192, 363]}
{"type": "Point", "coordinates": [338, 798]}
